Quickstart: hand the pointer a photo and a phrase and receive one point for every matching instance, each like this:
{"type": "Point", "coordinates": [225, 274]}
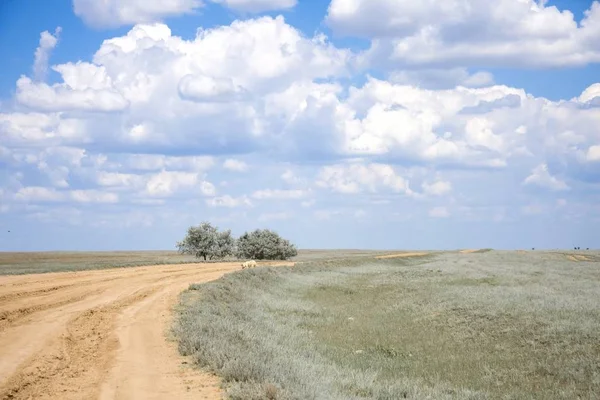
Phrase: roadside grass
{"type": "Point", "coordinates": [488, 325]}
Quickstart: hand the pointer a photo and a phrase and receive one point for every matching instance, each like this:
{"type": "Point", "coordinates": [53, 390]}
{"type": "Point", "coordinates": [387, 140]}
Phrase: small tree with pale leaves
{"type": "Point", "coordinates": [205, 241]}
{"type": "Point", "coordinates": [264, 244]}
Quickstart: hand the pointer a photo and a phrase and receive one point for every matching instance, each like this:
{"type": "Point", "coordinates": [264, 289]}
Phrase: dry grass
{"type": "Point", "coordinates": [494, 325]}
{"type": "Point", "coordinates": [16, 263]}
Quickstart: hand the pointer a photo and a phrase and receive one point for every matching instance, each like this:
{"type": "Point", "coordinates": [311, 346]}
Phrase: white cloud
{"type": "Point", "coordinates": [58, 97]}
{"type": "Point", "coordinates": [117, 179]}
{"type": "Point", "coordinates": [113, 128]}
{"type": "Point", "coordinates": [93, 196]}
{"type": "Point", "coordinates": [593, 153]}
{"type": "Point", "coordinates": [540, 176]}
{"type": "Point", "coordinates": [228, 201]}
{"type": "Point", "coordinates": [166, 183]}
{"type": "Point", "coordinates": [289, 177]}
{"type": "Point", "coordinates": [591, 93]}
{"type": "Point", "coordinates": [439, 212]}
{"type": "Point", "coordinates": [209, 89]}
{"type": "Point", "coordinates": [38, 194]}
{"type": "Point", "coordinates": [354, 178]}
{"type": "Point", "coordinates": [235, 165]}
{"type": "Point", "coordinates": [279, 194]}
{"type": "Point", "coordinates": [42, 54]}
{"type": "Point", "coordinates": [257, 6]}
{"type": "Point", "coordinates": [114, 13]}
{"type": "Point", "coordinates": [437, 188]}
{"type": "Point", "coordinates": [153, 162]}
{"type": "Point", "coordinates": [482, 32]}
{"type": "Point", "coordinates": [207, 188]}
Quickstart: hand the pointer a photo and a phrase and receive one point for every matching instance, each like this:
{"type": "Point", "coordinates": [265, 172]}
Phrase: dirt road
{"type": "Point", "coordinates": [98, 334]}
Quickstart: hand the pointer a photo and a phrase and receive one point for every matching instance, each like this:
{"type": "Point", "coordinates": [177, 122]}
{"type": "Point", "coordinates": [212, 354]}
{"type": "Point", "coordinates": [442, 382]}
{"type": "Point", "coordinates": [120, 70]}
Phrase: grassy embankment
{"type": "Point", "coordinates": [509, 325]}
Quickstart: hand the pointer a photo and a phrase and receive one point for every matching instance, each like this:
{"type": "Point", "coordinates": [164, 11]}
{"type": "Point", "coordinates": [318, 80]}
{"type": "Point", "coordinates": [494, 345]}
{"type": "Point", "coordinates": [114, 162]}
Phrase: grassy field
{"type": "Point", "coordinates": [480, 325]}
{"type": "Point", "coordinates": [14, 263]}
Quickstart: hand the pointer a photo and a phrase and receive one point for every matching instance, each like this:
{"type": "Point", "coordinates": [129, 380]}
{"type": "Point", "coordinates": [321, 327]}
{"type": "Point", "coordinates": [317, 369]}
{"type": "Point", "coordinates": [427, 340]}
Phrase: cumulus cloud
{"type": "Point", "coordinates": [115, 13]}
{"type": "Point", "coordinates": [58, 97]}
{"type": "Point", "coordinates": [48, 42]}
{"type": "Point", "coordinates": [540, 176]}
{"type": "Point", "coordinates": [593, 153]}
{"type": "Point", "coordinates": [152, 119]}
{"type": "Point", "coordinates": [472, 32]}
{"type": "Point", "coordinates": [166, 183]}
{"type": "Point", "coordinates": [437, 188]}
{"type": "Point", "coordinates": [354, 178]}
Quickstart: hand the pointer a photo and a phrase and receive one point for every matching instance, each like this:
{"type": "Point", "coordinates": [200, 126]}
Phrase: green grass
{"type": "Point", "coordinates": [490, 325]}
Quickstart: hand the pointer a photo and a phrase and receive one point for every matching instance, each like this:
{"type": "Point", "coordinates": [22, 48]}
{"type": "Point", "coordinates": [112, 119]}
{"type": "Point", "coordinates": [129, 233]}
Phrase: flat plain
{"type": "Point", "coordinates": [17, 263]}
{"type": "Point", "coordinates": [447, 325]}
{"type": "Point", "coordinates": [348, 324]}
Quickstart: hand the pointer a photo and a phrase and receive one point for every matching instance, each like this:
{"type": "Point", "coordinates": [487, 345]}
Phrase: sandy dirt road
{"type": "Point", "coordinates": [99, 334]}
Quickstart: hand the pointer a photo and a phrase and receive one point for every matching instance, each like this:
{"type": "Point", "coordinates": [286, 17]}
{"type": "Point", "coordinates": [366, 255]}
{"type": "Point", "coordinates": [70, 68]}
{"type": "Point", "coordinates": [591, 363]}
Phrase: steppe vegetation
{"type": "Point", "coordinates": [453, 325]}
{"type": "Point", "coordinates": [17, 263]}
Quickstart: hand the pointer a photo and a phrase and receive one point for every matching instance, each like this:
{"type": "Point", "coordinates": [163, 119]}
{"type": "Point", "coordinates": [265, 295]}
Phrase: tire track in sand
{"type": "Point", "coordinates": [110, 344]}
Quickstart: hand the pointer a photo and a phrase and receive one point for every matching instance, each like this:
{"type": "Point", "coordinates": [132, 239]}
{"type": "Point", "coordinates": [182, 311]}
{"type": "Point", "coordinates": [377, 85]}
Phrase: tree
{"type": "Point", "coordinates": [205, 241]}
{"type": "Point", "coordinates": [264, 244]}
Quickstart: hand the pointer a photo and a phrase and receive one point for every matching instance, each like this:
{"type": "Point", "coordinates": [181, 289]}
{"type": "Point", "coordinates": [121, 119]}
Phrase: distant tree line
{"type": "Point", "coordinates": [209, 243]}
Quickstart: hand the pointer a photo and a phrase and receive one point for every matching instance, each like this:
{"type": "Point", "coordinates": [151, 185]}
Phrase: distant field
{"type": "Point", "coordinates": [14, 263]}
{"type": "Point", "coordinates": [449, 325]}
{"type": "Point", "coordinates": [41, 262]}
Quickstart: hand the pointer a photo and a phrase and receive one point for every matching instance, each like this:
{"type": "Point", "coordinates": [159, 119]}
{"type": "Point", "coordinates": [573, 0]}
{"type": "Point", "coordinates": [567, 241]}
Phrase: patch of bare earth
{"type": "Point", "coordinates": [99, 334]}
{"type": "Point", "coordinates": [469, 251]}
{"type": "Point", "coordinates": [577, 257]}
{"type": "Point", "coordinates": [400, 255]}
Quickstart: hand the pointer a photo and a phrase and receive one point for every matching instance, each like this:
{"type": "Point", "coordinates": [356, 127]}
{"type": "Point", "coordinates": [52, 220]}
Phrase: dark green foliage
{"type": "Point", "coordinates": [205, 241]}
{"type": "Point", "coordinates": [264, 244]}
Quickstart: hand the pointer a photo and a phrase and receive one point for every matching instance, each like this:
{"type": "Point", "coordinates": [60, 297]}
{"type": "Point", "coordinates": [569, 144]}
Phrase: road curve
{"type": "Point", "coordinates": [99, 334]}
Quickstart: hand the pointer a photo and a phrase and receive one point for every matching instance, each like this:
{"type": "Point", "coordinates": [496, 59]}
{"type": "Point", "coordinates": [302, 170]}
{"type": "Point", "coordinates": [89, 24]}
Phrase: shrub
{"type": "Point", "coordinates": [264, 244]}
{"type": "Point", "coordinates": [205, 241]}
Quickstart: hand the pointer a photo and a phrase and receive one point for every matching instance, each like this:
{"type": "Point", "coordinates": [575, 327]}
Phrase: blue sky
{"type": "Point", "coordinates": [340, 124]}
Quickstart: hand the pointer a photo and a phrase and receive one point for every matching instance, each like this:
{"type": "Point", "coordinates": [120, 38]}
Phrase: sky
{"type": "Point", "coordinates": [371, 124]}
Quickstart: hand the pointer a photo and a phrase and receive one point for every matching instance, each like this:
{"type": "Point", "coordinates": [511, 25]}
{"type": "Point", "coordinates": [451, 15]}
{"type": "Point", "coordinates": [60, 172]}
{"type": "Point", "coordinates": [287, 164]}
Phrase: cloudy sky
{"type": "Point", "coordinates": [340, 124]}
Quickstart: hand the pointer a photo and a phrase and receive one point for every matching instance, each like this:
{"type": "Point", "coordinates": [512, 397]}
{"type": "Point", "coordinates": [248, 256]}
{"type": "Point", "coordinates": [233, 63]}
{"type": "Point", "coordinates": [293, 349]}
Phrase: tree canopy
{"type": "Point", "coordinates": [207, 242]}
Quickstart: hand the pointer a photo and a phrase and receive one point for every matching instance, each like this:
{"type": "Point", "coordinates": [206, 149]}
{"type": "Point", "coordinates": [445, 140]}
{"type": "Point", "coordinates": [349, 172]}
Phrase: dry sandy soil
{"type": "Point", "coordinates": [401, 255]}
{"type": "Point", "coordinates": [99, 334]}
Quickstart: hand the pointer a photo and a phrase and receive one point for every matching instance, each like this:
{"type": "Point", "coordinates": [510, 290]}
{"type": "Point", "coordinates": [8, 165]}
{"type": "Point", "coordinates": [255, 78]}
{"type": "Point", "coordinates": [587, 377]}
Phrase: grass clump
{"type": "Point", "coordinates": [484, 326]}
